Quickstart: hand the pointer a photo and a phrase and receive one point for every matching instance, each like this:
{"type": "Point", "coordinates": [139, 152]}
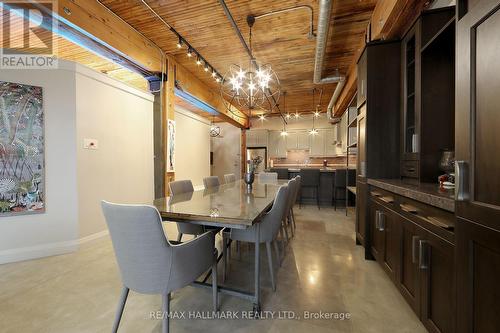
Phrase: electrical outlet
{"type": "Point", "coordinates": [90, 144]}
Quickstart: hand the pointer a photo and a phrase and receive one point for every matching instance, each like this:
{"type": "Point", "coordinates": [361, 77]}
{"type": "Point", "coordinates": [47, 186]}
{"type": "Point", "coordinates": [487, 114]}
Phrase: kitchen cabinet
{"type": "Point", "coordinates": [361, 210]}
{"type": "Point", "coordinates": [318, 143]}
{"type": "Point", "coordinates": [257, 138]}
{"type": "Point", "coordinates": [477, 143]}
{"type": "Point", "coordinates": [303, 140]}
{"type": "Point", "coordinates": [428, 105]}
{"type": "Point", "coordinates": [362, 84]}
{"type": "Point", "coordinates": [277, 145]}
{"type": "Point", "coordinates": [417, 259]}
{"type": "Point", "coordinates": [331, 142]}
{"type": "Point", "coordinates": [291, 140]}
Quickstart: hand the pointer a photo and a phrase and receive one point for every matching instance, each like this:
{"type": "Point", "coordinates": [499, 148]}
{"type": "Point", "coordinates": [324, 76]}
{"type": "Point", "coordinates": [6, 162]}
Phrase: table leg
{"type": "Point", "coordinates": [256, 305]}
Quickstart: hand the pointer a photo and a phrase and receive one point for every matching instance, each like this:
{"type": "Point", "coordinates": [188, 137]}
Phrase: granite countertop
{"type": "Point", "coordinates": [427, 193]}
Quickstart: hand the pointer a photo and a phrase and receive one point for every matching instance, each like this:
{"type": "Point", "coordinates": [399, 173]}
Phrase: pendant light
{"type": "Point", "coordinates": [313, 130]}
{"type": "Point", "coordinates": [214, 129]}
{"type": "Point", "coordinates": [284, 132]}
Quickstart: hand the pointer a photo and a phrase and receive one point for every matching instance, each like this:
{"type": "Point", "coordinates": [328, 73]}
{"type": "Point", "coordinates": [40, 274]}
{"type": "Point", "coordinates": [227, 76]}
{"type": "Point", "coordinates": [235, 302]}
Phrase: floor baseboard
{"type": "Point", "coordinates": [46, 250]}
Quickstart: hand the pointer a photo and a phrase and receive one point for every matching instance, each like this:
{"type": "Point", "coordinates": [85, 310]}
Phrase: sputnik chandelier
{"type": "Point", "coordinates": [254, 88]}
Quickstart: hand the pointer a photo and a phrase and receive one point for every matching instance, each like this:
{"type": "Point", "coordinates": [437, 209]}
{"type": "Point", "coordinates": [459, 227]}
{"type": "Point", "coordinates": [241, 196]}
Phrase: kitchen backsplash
{"type": "Point", "coordinates": [301, 157]}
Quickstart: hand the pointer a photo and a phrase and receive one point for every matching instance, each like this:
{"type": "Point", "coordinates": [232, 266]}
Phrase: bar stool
{"type": "Point", "coordinates": [309, 178]}
{"type": "Point", "coordinates": [282, 173]}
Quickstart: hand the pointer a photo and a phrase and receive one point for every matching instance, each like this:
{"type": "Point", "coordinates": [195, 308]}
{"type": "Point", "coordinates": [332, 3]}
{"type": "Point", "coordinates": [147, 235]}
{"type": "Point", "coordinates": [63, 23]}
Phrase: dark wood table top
{"type": "Point", "coordinates": [229, 205]}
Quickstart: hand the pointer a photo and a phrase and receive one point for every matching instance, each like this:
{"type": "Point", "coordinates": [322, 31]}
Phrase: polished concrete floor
{"type": "Point", "coordinates": [323, 271]}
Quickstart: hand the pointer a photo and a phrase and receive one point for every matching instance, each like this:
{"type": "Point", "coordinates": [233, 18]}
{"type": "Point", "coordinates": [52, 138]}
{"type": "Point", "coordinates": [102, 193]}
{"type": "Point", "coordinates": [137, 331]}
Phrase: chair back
{"type": "Point", "coordinates": [292, 189]}
{"type": "Point", "coordinates": [282, 173]}
{"type": "Point", "coordinates": [298, 180]}
{"type": "Point", "coordinates": [309, 177]}
{"type": "Point", "coordinates": [271, 222]}
{"type": "Point", "coordinates": [142, 251]}
{"type": "Point", "coordinates": [268, 177]}
{"type": "Point", "coordinates": [180, 186]}
{"type": "Point", "coordinates": [212, 181]}
{"type": "Point", "coordinates": [340, 178]}
{"type": "Point", "coordinates": [229, 178]}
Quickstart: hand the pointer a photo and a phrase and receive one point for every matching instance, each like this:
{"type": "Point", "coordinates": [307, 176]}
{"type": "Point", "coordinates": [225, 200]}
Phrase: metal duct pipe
{"type": "Point", "coordinates": [336, 94]}
{"type": "Point", "coordinates": [325, 10]}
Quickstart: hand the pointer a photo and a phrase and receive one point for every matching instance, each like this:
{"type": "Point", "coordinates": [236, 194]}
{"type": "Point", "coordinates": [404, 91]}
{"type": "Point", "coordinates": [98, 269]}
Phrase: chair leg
{"type": "Point", "coordinates": [278, 259]}
{"type": "Point", "coordinates": [317, 196]}
{"type": "Point", "coordinates": [166, 310]}
{"type": "Point", "coordinates": [283, 225]}
{"type": "Point", "coordinates": [335, 198]}
{"type": "Point", "coordinates": [179, 237]}
{"type": "Point", "coordinates": [270, 262]}
{"type": "Point", "coordinates": [289, 223]}
{"type": "Point", "coordinates": [119, 310]}
{"type": "Point", "coordinates": [293, 220]}
{"type": "Point", "coordinates": [224, 256]}
{"type": "Point", "coordinates": [215, 292]}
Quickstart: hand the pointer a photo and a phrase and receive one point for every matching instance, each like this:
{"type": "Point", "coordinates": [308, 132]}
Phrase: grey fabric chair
{"type": "Point", "coordinates": [212, 181]}
{"type": "Point", "coordinates": [269, 227]}
{"type": "Point", "coordinates": [179, 187]}
{"type": "Point", "coordinates": [229, 178]}
{"type": "Point", "coordinates": [292, 185]}
{"type": "Point", "coordinates": [295, 196]}
{"type": "Point", "coordinates": [148, 263]}
{"type": "Point", "coordinates": [268, 177]}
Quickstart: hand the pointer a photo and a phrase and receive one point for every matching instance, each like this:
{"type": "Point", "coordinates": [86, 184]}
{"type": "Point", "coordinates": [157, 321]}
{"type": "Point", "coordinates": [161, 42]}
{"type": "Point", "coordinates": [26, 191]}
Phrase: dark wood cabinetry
{"type": "Point", "coordinates": [378, 122]}
{"type": "Point", "coordinates": [477, 145]}
{"type": "Point", "coordinates": [427, 94]}
{"type": "Point", "coordinates": [418, 260]}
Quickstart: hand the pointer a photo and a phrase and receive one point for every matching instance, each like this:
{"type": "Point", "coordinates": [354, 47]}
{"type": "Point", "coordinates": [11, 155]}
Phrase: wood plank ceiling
{"type": "Point", "coordinates": [279, 40]}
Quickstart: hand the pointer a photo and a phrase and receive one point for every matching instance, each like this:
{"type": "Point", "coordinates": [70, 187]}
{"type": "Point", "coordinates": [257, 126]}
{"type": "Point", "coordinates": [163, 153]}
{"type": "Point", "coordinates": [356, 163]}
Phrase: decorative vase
{"type": "Point", "coordinates": [249, 178]}
{"type": "Point", "coordinates": [447, 162]}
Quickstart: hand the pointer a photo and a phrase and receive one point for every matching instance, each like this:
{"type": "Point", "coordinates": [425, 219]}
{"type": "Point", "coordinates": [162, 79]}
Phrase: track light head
{"type": "Point", "coordinates": [180, 43]}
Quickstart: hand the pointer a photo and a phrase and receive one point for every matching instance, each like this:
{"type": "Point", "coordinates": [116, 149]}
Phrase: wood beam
{"type": "Point", "coordinates": [390, 20]}
{"type": "Point", "coordinates": [194, 86]}
{"type": "Point", "coordinates": [91, 19]}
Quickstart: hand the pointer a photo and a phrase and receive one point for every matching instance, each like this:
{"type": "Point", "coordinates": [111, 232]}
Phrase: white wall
{"type": "Point", "coordinates": [226, 151]}
{"type": "Point", "coordinates": [192, 147]}
{"type": "Point", "coordinates": [51, 232]}
{"type": "Point", "coordinates": [121, 170]}
{"type": "Point", "coordinates": [80, 103]}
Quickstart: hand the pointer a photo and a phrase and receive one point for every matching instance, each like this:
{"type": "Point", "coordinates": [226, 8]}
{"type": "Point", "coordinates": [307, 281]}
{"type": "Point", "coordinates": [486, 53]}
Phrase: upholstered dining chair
{"type": "Point", "coordinates": [178, 187]}
{"type": "Point", "coordinates": [268, 177]}
{"type": "Point", "coordinates": [229, 178]}
{"type": "Point", "coordinates": [149, 263]}
{"type": "Point", "coordinates": [270, 225]}
{"type": "Point", "coordinates": [212, 181]}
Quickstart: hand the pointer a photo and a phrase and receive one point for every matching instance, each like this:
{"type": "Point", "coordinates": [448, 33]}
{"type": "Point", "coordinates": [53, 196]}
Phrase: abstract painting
{"type": "Point", "coordinates": [22, 171]}
{"type": "Point", "coordinates": [170, 145]}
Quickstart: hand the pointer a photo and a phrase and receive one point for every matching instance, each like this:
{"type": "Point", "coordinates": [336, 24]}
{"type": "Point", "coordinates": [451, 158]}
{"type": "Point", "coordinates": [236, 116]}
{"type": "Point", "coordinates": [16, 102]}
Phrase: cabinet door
{"type": "Point", "coordinates": [331, 142]}
{"type": "Point", "coordinates": [477, 143]}
{"type": "Point", "coordinates": [408, 277]}
{"type": "Point", "coordinates": [362, 76]}
{"type": "Point", "coordinates": [274, 141]}
{"type": "Point", "coordinates": [376, 232]}
{"type": "Point", "coordinates": [303, 140]}
{"type": "Point", "coordinates": [391, 225]}
{"type": "Point", "coordinates": [437, 283]}
{"type": "Point", "coordinates": [291, 140]}
{"type": "Point", "coordinates": [262, 138]}
{"type": "Point", "coordinates": [318, 144]}
{"type": "Point", "coordinates": [251, 138]}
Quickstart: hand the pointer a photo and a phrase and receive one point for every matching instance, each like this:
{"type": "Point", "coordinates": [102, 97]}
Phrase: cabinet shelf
{"type": "Point", "coordinates": [353, 145]}
{"type": "Point", "coordinates": [353, 123]}
{"type": "Point", "coordinates": [446, 26]}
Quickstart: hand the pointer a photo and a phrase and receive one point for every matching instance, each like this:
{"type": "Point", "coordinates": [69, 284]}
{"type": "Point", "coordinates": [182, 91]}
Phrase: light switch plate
{"type": "Point", "coordinates": [90, 144]}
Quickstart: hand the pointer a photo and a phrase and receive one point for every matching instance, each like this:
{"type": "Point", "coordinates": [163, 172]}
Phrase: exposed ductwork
{"type": "Point", "coordinates": [325, 10]}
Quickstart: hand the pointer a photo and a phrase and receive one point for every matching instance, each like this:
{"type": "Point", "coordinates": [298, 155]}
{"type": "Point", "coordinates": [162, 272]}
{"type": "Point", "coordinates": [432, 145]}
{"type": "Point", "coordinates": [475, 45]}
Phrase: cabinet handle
{"type": "Point", "coordinates": [414, 242]}
{"type": "Point", "coordinates": [377, 219]}
{"type": "Point", "coordinates": [423, 260]}
{"type": "Point", "coordinates": [381, 221]}
{"type": "Point", "coordinates": [461, 181]}
{"type": "Point", "coordinates": [409, 208]}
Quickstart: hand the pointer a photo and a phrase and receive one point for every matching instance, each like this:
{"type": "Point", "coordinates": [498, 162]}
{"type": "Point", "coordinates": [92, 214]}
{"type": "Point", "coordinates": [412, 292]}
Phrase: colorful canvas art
{"type": "Point", "coordinates": [171, 146]}
{"type": "Point", "coordinates": [21, 149]}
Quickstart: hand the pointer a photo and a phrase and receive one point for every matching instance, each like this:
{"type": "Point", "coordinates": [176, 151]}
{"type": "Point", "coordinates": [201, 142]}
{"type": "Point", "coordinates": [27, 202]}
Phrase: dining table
{"type": "Point", "coordinates": [234, 205]}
